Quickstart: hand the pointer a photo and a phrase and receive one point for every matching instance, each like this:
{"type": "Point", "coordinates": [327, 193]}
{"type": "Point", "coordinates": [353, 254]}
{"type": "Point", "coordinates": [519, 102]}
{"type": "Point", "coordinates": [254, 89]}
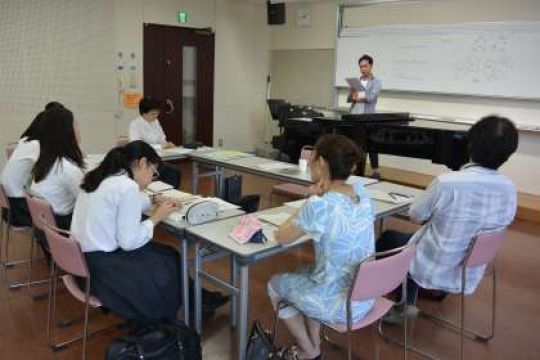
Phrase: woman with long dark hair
{"type": "Point", "coordinates": [59, 169]}
{"type": "Point", "coordinates": [133, 277]}
{"type": "Point", "coordinates": [16, 174]}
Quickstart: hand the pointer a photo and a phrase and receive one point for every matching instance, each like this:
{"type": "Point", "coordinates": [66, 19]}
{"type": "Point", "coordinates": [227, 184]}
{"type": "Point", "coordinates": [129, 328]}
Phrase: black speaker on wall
{"type": "Point", "coordinates": [275, 13]}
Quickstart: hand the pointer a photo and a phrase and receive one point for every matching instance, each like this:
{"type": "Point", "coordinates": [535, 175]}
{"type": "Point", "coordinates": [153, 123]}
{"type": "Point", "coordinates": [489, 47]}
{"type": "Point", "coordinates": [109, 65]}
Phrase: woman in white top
{"type": "Point", "coordinates": [148, 129]}
{"type": "Point", "coordinates": [16, 174]}
{"type": "Point", "coordinates": [59, 169]}
{"type": "Point", "coordinates": [132, 276]}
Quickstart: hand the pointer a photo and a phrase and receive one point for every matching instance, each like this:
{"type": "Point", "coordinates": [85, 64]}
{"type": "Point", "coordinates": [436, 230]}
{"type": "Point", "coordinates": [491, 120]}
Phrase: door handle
{"type": "Point", "coordinates": [171, 107]}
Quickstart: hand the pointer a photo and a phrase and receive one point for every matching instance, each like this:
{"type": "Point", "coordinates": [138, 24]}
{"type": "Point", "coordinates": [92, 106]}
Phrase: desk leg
{"type": "Point", "coordinates": [219, 182]}
{"type": "Point", "coordinates": [234, 296]}
{"type": "Point", "coordinates": [243, 311]}
{"type": "Point", "coordinates": [195, 177]}
{"type": "Point", "coordinates": [185, 280]}
{"type": "Point", "coordinates": [198, 290]}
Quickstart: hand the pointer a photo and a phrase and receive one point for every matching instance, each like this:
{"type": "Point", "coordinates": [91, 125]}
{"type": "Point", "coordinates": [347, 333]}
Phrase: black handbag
{"type": "Point", "coordinates": [260, 344]}
{"type": "Point", "coordinates": [164, 341]}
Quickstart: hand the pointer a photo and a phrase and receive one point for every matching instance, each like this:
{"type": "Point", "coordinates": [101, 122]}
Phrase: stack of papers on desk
{"type": "Point", "coordinates": [180, 195]}
{"type": "Point", "coordinates": [391, 197]}
{"type": "Point", "coordinates": [175, 151]}
{"type": "Point", "coordinates": [227, 154]}
{"type": "Point", "coordinates": [275, 219]}
{"type": "Point", "coordinates": [275, 165]}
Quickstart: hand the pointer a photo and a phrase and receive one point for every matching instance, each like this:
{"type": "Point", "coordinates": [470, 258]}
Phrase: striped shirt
{"type": "Point", "coordinates": [454, 208]}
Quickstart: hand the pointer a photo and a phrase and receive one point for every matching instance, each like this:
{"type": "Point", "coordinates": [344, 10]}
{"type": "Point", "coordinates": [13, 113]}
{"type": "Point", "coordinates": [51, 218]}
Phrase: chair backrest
{"type": "Point", "coordinates": [9, 150]}
{"type": "Point", "coordinates": [41, 212]}
{"type": "Point", "coordinates": [484, 248]}
{"type": "Point", "coordinates": [66, 252]}
{"type": "Point", "coordinates": [307, 153]}
{"type": "Point", "coordinates": [4, 203]}
{"type": "Point", "coordinates": [375, 278]}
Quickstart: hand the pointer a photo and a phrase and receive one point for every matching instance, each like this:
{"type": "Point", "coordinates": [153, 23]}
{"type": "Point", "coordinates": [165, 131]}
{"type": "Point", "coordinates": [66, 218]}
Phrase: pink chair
{"type": "Point", "coordinates": [69, 258]}
{"type": "Point", "coordinates": [373, 280]}
{"type": "Point", "coordinates": [290, 190]}
{"type": "Point", "coordinates": [42, 216]}
{"type": "Point", "coordinates": [6, 234]}
{"type": "Point", "coordinates": [482, 251]}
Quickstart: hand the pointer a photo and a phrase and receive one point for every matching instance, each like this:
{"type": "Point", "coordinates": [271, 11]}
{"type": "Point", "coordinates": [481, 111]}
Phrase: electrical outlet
{"type": "Point", "coordinates": [220, 142]}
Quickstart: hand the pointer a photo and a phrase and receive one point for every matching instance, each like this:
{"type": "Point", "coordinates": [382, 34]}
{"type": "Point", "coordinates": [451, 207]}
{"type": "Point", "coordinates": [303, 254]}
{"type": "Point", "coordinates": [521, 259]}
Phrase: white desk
{"type": "Point", "coordinates": [216, 234]}
{"type": "Point", "coordinates": [179, 230]}
{"type": "Point", "coordinates": [252, 165]}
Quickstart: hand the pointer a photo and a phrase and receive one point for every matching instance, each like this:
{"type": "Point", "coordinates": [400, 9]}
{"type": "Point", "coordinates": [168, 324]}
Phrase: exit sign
{"type": "Point", "coordinates": [182, 17]}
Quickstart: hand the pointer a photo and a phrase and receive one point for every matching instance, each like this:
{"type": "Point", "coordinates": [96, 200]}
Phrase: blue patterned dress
{"type": "Point", "coordinates": [343, 235]}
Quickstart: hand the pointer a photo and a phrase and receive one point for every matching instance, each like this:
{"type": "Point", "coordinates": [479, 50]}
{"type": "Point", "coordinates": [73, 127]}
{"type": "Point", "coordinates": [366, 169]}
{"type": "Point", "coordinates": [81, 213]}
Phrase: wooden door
{"type": "Point", "coordinates": [178, 70]}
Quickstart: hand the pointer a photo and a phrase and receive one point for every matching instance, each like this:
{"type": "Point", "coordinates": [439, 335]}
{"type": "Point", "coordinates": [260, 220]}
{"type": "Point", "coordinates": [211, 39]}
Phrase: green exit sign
{"type": "Point", "coordinates": [182, 17]}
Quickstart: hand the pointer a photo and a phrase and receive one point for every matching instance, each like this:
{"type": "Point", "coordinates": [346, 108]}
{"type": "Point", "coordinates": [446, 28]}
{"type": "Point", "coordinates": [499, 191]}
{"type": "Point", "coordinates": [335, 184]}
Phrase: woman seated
{"type": "Point", "coordinates": [339, 217]}
{"type": "Point", "coordinates": [133, 277]}
{"type": "Point", "coordinates": [16, 174]}
{"type": "Point", "coordinates": [59, 169]}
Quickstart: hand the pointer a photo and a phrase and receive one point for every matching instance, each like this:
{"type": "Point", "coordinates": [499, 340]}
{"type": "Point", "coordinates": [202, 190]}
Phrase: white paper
{"type": "Point", "coordinates": [275, 166]}
{"type": "Point", "coordinates": [222, 204]}
{"type": "Point", "coordinates": [387, 197]}
{"type": "Point", "coordinates": [355, 83]}
{"type": "Point", "coordinates": [297, 204]}
{"type": "Point", "coordinates": [269, 234]}
{"type": "Point", "coordinates": [176, 151]}
{"type": "Point", "coordinates": [158, 186]}
{"type": "Point", "coordinates": [180, 195]}
{"type": "Point", "coordinates": [275, 219]}
{"type": "Point", "coordinates": [353, 179]}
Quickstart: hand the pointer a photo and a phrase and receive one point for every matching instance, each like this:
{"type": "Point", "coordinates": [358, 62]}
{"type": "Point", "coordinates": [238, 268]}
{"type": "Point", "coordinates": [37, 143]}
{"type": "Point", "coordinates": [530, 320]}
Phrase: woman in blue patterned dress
{"type": "Point", "coordinates": [339, 217]}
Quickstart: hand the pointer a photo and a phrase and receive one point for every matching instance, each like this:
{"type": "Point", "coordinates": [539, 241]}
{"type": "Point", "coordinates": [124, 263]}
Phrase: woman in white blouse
{"type": "Point", "coordinates": [16, 174]}
{"type": "Point", "coordinates": [133, 277]}
{"type": "Point", "coordinates": [59, 169]}
{"type": "Point", "coordinates": [148, 129]}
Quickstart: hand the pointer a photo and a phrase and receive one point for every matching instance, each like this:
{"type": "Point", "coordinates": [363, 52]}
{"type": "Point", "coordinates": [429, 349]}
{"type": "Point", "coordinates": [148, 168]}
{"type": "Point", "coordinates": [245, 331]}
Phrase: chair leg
{"type": "Point", "coordinates": [49, 306]}
{"type": "Point", "coordinates": [462, 313]}
{"type": "Point", "coordinates": [31, 264]}
{"type": "Point", "coordinates": [87, 305]}
{"type": "Point", "coordinates": [6, 255]}
{"type": "Point", "coordinates": [349, 345]}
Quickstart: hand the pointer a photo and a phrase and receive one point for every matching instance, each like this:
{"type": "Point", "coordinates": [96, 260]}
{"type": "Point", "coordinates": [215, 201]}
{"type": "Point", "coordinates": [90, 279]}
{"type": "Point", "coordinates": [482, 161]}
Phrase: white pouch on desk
{"type": "Point", "coordinates": [201, 212]}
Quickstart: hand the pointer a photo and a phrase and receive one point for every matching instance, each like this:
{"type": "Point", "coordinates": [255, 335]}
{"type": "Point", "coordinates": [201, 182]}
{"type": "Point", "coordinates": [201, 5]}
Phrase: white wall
{"type": "Point", "coordinates": [67, 50]}
{"type": "Point", "coordinates": [524, 167]}
{"type": "Point", "coordinates": [241, 58]}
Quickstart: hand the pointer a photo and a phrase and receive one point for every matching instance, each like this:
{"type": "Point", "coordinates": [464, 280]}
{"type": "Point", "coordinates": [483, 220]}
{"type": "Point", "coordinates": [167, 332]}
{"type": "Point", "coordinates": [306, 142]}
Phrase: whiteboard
{"type": "Point", "coordinates": [498, 59]}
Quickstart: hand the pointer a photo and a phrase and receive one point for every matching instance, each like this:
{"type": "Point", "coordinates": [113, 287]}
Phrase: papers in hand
{"type": "Point", "coordinates": [391, 197]}
{"type": "Point", "coordinates": [356, 84]}
{"type": "Point", "coordinates": [275, 219]}
{"type": "Point", "coordinates": [158, 187]}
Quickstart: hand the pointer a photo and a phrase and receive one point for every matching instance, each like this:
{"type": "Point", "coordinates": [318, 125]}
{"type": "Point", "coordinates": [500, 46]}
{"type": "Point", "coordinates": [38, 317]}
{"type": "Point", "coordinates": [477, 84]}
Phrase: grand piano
{"type": "Point", "coordinates": [384, 133]}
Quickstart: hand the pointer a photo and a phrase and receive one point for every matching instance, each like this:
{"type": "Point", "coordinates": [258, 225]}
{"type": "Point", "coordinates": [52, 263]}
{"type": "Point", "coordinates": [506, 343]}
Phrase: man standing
{"type": "Point", "coordinates": [364, 100]}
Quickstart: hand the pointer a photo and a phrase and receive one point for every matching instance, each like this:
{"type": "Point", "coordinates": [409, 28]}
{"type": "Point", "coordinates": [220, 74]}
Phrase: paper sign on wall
{"type": "Point", "coordinates": [131, 99]}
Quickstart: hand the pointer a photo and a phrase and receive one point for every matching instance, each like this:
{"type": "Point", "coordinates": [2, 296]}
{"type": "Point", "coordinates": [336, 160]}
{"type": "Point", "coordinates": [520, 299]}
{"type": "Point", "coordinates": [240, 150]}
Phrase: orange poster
{"type": "Point", "coordinates": [131, 99]}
